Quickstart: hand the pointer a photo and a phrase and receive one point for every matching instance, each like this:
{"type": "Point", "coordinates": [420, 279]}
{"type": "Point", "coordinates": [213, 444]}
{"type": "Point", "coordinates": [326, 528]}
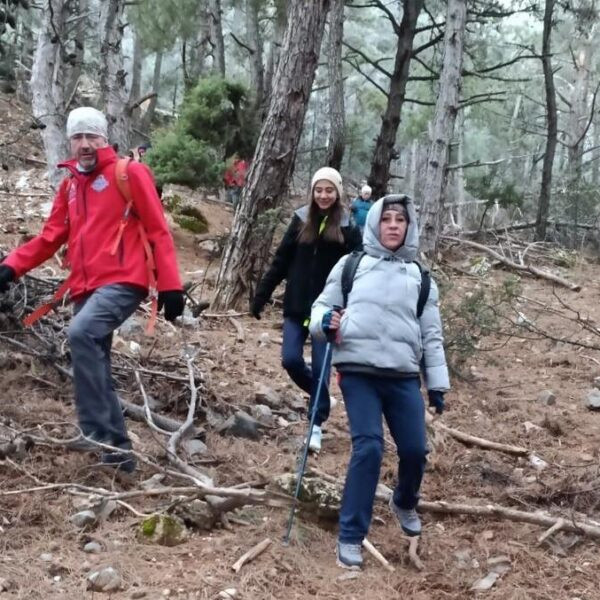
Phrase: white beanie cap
{"type": "Point", "coordinates": [366, 189]}
{"type": "Point", "coordinates": [87, 120]}
{"type": "Point", "coordinates": [328, 174]}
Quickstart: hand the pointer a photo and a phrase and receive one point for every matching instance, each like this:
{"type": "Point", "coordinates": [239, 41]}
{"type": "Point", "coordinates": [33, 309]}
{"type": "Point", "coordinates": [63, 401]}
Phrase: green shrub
{"type": "Point", "coordinates": [215, 123]}
{"type": "Point", "coordinates": [176, 157]}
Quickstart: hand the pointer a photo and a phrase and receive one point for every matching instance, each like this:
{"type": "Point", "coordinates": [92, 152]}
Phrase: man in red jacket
{"type": "Point", "coordinates": [109, 271]}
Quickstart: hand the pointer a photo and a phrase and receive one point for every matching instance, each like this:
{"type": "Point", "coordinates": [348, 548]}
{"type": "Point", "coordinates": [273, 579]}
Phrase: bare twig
{"type": "Point", "coordinates": [377, 555]}
{"type": "Point", "coordinates": [251, 554]}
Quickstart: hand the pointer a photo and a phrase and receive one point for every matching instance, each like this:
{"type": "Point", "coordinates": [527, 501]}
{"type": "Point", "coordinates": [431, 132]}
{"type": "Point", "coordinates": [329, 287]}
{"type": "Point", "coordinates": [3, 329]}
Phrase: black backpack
{"type": "Point", "coordinates": [349, 271]}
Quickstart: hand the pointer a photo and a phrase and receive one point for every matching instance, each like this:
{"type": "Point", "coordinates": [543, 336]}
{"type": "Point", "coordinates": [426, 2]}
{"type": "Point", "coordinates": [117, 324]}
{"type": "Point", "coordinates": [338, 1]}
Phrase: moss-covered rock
{"type": "Point", "coordinates": [190, 218]}
{"type": "Point", "coordinates": [166, 530]}
{"type": "Point", "coordinates": [319, 497]}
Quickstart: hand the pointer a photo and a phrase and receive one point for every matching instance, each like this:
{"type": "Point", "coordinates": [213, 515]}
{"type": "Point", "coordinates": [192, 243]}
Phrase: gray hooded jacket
{"type": "Point", "coordinates": [380, 331]}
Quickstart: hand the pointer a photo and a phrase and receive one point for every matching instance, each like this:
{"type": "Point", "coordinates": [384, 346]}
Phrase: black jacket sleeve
{"type": "Point", "coordinates": [279, 268]}
{"type": "Point", "coordinates": [353, 239]}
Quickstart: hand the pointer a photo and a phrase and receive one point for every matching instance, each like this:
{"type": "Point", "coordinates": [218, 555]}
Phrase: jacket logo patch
{"type": "Point", "coordinates": [100, 183]}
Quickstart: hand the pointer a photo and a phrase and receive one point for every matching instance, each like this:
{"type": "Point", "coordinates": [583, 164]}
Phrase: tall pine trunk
{"type": "Point", "coordinates": [254, 41]}
{"type": "Point", "coordinates": [113, 88]}
{"type": "Point", "coordinates": [442, 130]}
{"type": "Point", "coordinates": [386, 140]}
{"type": "Point", "coordinates": [337, 126]}
{"type": "Point", "coordinates": [267, 183]}
{"type": "Point", "coordinates": [49, 80]}
{"type": "Point", "coordinates": [551, 124]}
{"type": "Point", "coordinates": [216, 36]}
{"type": "Point", "coordinates": [149, 114]}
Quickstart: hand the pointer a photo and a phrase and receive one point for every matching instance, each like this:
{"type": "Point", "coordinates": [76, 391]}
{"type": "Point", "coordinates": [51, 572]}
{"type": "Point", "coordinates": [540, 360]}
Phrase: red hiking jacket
{"type": "Point", "coordinates": [86, 214]}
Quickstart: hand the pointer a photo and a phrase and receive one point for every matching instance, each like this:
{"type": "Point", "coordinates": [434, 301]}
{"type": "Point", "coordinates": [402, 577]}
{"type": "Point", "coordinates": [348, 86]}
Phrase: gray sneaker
{"type": "Point", "coordinates": [408, 519]}
{"type": "Point", "coordinates": [349, 556]}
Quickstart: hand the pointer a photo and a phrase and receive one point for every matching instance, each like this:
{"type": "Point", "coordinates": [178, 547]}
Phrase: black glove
{"type": "Point", "coordinates": [256, 308]}
{"type": "Point", "coordinates": [173, 301]}
{"type": "Point", "coordinates": [436, 400]}
{"type": "Point", "coordinates": [7, 275]}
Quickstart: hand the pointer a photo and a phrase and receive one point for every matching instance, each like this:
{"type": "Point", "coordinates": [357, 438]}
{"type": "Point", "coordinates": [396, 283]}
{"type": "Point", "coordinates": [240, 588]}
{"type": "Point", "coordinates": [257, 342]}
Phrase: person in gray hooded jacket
{"type": "Point", "coordinates": [380, 349]}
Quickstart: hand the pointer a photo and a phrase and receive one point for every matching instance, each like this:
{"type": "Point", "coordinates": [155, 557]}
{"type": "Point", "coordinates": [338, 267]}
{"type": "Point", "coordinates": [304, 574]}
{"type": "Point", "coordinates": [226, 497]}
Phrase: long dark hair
{"type": "Point", "coordinates": [309, 233]}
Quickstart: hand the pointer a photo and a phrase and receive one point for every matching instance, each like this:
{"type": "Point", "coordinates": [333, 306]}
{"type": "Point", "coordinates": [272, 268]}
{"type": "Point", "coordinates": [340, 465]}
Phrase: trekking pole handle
{"type": "Point", "coordinates": [332, 335]}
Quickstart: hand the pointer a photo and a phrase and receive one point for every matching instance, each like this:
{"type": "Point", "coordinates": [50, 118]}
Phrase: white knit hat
{"type": "Point", "coordinates": [366, 189]}
{"type": "Point", "coordinates": [328, 174]}
{"type": "Point", "coordinates": [87, 120]}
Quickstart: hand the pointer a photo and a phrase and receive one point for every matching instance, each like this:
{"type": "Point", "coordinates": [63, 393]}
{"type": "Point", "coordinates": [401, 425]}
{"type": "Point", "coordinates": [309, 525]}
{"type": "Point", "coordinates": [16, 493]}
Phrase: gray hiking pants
{"type": "Point", "coordinates": [90, 336]}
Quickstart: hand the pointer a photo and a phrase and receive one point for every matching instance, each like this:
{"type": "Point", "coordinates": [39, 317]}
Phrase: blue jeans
{"type": "Point", "coordinates": [90, 337]}
{"type": "Point", "coordinates": [305, 377]}
{"type": "Point", "coordinates": [399, 400]}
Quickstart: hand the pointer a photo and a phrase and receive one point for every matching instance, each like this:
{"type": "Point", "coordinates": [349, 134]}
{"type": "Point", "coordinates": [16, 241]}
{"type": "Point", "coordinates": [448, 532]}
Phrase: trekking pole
{"type": "Point", "coordinates": [313, 414]}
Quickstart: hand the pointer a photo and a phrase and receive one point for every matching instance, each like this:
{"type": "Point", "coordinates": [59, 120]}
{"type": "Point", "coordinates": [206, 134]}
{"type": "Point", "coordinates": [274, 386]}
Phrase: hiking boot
{"type": "Point", "coordinates": [349, 556]}
{"type": "Point", "coordinates": [315, 439]}
{"type": "Point", "coordinates": [122, 461]}
{"type": "Point", "coordinates": [407, 518]}
{"type": "Point", "coordinates": [86, 444]}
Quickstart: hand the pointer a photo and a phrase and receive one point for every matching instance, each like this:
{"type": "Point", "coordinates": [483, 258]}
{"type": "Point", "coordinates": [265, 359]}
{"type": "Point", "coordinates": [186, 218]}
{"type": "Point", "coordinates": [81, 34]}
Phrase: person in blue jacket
{"type": "Point", "coordinates": [360, 207]}
{"type": "Point", "coordinates": [382, 346]}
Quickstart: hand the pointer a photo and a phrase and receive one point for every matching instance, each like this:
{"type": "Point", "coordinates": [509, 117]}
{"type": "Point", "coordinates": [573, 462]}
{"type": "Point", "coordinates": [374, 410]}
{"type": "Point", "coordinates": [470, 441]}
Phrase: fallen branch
{"type": "Point", "coordinates": [511, 514]}
{"type": "Point", "coordinates": [377, 555]}
{"type": "Point", "coordinates": [513, 265]}
{"type": "Point", "coordinates": [556, 527]}
{"type": "Point", "coordinates": [251, 554]}
{"type": "Point", "coordinates": [413, 546]}
{"type": "Point", "coordinates": [138, 414]}
{"type": "Point", "coordinates": [240, 337]}
{"type": "Point", "coordinates": [471, 440]}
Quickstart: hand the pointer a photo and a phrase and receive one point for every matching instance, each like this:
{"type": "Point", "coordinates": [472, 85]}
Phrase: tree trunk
{"type": "Point", "coordinates": [77, 51]}
{"type": "Point", "coordinates": [49, 78]}
{"type": "Point", "coordinates": [113, 88]}
{"type": "Point", "coordinates": [446, 108]}
{"type": "Point", "coordinates": [578, 123]}
{"type": "Point", "coordinates": [275, 50]}
{"type": "Point", "coordinates": [384, 145]}
{"type": "Point", "coordinates": [216, 37]}
{"type": "Point", "coordinates": [26, 50]}
{"type": "Point", "coordinates": [254, 41]}
{"type": "Point", "coordinates": [199, 51]}
{"type": "Point", "coordinates": [146, 121]}
{"type": "Point", "coordinates": [136, 69]}
{"type": "Point", "coordinates": [552, 127]}
{"type": "Point", "coordinates": [275, 154]}
{"type": "Point", "coordinates": [596, 155]}
{"type": "Point", "coordinates": [337, 128]}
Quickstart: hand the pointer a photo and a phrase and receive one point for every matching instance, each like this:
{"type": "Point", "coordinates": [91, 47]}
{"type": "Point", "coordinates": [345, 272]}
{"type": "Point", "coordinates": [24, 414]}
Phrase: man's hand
{"type": "Point", "coordinates": [7, 275]}
{"type": "Point", "coordinates": [436, 401]}
{"type": "Point", "coordinates": [173, 301]}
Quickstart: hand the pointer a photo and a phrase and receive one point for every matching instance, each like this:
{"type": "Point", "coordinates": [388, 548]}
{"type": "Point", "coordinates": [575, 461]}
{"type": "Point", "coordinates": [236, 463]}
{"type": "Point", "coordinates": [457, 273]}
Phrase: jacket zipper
{"type": "Point", "coordinates": [84, 195]}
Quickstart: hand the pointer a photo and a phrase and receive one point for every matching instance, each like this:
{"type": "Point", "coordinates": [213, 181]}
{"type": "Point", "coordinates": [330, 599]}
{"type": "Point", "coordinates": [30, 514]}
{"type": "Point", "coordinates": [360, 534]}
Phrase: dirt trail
{"type": "Point", "coordinates": [499, 402]}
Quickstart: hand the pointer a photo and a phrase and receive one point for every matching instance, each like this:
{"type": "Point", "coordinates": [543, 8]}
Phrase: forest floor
{"type": "Point", "coordinates": [496, 395]}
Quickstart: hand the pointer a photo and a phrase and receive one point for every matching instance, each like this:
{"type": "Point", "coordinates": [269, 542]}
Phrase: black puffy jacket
{"type": "Point", "coordinates": [304, 266]}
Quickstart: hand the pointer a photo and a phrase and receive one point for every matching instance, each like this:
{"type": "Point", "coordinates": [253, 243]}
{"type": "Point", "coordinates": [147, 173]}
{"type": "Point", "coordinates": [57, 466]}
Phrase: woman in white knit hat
{"type": "Point", "coordinates": [319, 234]}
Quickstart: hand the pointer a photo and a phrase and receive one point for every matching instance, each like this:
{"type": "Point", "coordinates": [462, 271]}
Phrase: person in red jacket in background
{"type": "Point", "coordinates": [235, 179]}
{"type": "Point", "coordinates": [109, 273]}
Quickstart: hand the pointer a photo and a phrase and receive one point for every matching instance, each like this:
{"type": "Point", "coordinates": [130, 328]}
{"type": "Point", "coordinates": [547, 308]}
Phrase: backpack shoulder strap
{"type": "Point", "coordinates": [425, 287]}
{"type": "Point", "coordinates": [122, 177]}
{"type": "Point", "coordinates": [348, 273]}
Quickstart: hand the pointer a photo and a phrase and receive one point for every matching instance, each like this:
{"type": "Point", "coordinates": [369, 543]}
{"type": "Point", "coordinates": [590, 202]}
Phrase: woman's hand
{"type": "Point", "coordinates": [330, 323]}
